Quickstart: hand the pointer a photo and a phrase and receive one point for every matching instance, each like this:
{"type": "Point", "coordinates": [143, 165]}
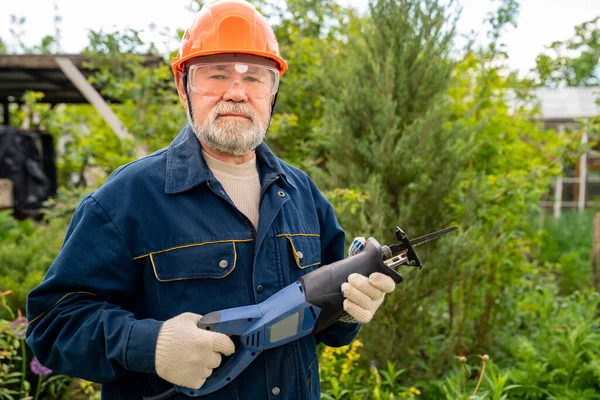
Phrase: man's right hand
{"type": "Point", "coordinates": [185, 354]}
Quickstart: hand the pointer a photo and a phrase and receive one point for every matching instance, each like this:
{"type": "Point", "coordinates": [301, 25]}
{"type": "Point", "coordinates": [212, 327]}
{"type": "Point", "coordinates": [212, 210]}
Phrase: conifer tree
{"type": "Point", "coordinates": [386, 118]}
{"type": "Point", "coordinates": [389, 137]}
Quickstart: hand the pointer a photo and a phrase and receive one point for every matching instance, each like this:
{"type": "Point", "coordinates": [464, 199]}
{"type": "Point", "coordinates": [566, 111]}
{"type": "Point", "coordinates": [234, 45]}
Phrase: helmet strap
{"type": "Point", "coordinates": [187, 95]}
{"type": "Point", "coordinates": [274, 101]}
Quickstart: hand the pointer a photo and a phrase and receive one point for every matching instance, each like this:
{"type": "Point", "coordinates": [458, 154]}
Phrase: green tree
{"type": "Point", "coordinates": [386, 118]}
{"type": "Point", "coordinates": [309, 33]}
{"type": "Point", "coordinates": [148, 102]}
{"type": "Point", "coordinates": [575, 61]}
{"type": "Point", "coordinates": [431, 142]}
{"type": "Point", "coordinates": [509, 168]}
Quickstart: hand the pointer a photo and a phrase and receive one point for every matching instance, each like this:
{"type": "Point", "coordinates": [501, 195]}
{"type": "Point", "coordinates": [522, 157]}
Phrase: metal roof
{"type": "Point", "coordinates": [568, 103]}
{"type": "Point", "coordinates": [41, 73]}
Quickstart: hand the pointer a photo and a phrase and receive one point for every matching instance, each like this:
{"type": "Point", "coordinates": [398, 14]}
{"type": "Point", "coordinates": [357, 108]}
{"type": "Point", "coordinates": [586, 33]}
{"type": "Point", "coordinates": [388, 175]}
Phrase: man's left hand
{"type": "Point", "coordinates": [365, 295]}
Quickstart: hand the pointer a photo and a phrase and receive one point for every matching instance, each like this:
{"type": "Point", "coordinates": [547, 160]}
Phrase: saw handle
{"type": "Point", "coordinates": [323, 285]}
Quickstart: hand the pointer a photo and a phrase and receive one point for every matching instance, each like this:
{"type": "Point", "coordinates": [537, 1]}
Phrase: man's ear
{"type": "Point", "coordinates": [181, 88]}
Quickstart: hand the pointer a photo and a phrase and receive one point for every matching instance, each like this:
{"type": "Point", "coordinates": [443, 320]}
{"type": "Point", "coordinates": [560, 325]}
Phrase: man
{"type": "Point", "coordinates": [214, 221]}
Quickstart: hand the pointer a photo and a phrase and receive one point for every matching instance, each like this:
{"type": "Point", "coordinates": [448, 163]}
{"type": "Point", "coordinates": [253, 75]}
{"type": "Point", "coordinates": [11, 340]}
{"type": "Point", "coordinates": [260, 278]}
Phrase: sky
{"type": "Point", "coordinates": [540, 22]}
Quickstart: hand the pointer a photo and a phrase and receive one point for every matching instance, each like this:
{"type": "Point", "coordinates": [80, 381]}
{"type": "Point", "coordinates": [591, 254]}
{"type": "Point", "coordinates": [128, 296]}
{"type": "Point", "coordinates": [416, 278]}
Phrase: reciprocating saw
{"type": "Point", "coordinates": [305, 307]}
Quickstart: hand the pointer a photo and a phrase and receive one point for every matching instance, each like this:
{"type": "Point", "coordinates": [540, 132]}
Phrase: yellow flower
{"type": "Point", "coordinates": [84, 384]}
{"type": "Point", "coordinates": [414, 390]}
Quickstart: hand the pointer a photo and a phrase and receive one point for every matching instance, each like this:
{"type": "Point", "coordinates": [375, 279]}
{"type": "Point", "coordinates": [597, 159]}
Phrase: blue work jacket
{"type": "Point", "coordinates": [161, 237]}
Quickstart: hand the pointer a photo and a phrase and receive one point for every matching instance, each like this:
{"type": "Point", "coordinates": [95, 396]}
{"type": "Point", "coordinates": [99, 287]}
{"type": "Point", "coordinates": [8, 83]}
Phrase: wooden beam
{"type": "Point", "coordinates": [92, 96]}
{"type": "Point", "coordinates": [582, 174]}
{"type": "Point", "coordinates": [41, 61]}
{"type": "Point", "coordinates": [559, 183]}
{"type": "Point", "coordinates": [48, 61]}
{"type": "Point", "coordinates": [590, 179]}
{"type": "Point", "coordinates": [567, 204]}
{"type": "Point", "coordinates": [595, 251]}
{"type": "Point", "coordinates": [558, 196]}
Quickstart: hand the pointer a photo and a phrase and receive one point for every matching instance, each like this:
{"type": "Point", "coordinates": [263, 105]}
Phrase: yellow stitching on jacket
{"type": "Point", "coordinates": [55, 304]}
{"type": "Point", "coordinates": [311, 265]}
{"type": "Point", "coordinates": [151, 255]}
{"type": "Point", "coordinates": [234, 259]}
{"type": "Point", "coordinates": [296, 254]}
{"type": "Point", "coordinates": [194, 245]}
{"type": "Point", "coordinates": [297, 234]}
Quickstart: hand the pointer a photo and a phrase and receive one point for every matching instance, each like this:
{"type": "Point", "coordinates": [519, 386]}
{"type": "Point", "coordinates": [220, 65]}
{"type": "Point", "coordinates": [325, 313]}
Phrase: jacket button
{"type": "Point", "coordinates": [259, 288]}
{"type": "Point", "coordinates": [281, 193]}
{"type": "Point", "coordinates": [275, 391]}
{"type": "Point", "coordinates": [223, 264]}
{"type": "Point", "coordinates": [300, 255]}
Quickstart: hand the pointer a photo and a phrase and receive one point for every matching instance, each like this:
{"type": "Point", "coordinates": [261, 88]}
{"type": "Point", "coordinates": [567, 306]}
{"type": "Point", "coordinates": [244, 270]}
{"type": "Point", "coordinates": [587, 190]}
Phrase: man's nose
{"type": "Point", "coordinates": [236, 93]}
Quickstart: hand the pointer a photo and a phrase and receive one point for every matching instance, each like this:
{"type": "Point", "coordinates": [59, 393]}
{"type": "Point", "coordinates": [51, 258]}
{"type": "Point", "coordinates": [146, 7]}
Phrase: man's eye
{"type": "Point", "coordinates": [252, 79]}
{"type": "Point", "coordinates": [217, 77]}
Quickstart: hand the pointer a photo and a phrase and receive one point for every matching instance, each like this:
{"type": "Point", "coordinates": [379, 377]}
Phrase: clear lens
{"type": "Point", "coordinates": [258, 81]}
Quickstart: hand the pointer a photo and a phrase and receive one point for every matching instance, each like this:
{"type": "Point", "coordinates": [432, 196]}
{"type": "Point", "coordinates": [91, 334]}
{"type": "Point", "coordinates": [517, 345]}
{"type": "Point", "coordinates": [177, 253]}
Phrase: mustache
{"type": "Point", "coordinates": [234, 108]}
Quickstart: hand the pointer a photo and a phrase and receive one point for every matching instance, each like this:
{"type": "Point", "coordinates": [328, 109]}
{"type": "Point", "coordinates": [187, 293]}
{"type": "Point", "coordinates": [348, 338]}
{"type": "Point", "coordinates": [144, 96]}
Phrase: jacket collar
{"type": "Point", "coordinates": [186, 168]}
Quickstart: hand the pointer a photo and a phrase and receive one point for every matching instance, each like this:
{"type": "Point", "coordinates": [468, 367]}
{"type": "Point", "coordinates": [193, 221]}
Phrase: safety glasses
{"type": "Point", "coordinates": [217, 78]}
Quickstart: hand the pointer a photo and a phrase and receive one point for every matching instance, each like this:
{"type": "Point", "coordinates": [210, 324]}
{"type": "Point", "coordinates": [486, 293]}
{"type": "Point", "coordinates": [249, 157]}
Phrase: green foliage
{"type": "Point", "coordinates": [494, 387]}
{"type": "Point", "coordinates": [553, 342]}
{"type": "Point", "coordinates": [343, 378]}
{"type": "Point", "coordinates": [150, 108]}
{"type": "Point", "coordinates": [433, 143]}
{"type": "Point", "coordinates": [28, 248]}
{"type": "Point", "coordinates": [309, 34]}
{"type": "Point", "coordinates": [567, 246]}
{"type": "Point", "coordinates": [383, 137]}
{"type": "Point", "coordinates": [392, 139]}
{"type": "Point", "coordinates": [576, 61]}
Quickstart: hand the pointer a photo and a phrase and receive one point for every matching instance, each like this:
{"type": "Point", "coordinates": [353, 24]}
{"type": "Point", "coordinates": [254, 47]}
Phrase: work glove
{"type": "Point", "coordinates": [363, 295]}
{"type": "Point", "coordinates": [185, 354]}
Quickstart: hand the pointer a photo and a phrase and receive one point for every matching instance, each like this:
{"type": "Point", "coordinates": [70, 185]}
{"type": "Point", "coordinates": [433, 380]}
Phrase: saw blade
{"type": "Point", "coordinates": [399, 247]}
{"type": "Point", "coordinates": [431, 236]}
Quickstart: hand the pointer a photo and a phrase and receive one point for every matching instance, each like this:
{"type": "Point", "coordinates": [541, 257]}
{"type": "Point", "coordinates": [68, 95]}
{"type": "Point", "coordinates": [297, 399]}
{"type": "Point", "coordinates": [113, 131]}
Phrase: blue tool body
{"type": "Point", "coordinates": [282, 318]}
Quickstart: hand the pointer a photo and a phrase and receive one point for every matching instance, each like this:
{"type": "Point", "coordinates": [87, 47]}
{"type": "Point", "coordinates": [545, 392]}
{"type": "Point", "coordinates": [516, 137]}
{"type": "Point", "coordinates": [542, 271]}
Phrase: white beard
{"type": "Point", "coordinates": [231, 136]}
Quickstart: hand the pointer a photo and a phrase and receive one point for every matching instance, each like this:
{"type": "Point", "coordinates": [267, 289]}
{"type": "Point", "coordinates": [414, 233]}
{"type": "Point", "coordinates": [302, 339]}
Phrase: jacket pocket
{"type": "Point", "coordinates": [198, 278]}
{"type": "Point", "coordinates": [204, 260]}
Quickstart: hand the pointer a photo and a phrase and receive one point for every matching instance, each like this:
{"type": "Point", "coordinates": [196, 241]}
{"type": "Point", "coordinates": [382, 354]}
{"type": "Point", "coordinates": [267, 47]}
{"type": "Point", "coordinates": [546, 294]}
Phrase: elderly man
{"type": "Point", "coordinates": [214, 221]}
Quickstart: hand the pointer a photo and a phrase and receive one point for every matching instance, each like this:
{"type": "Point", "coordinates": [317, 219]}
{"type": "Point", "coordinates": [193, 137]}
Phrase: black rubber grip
{"type": "Point", "coordinates": [323, 286]}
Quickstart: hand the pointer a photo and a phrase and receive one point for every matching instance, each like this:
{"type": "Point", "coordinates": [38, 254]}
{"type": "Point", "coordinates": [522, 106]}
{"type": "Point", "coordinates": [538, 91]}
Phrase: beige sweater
{"type": "Point", "coordinates": [241, 182]}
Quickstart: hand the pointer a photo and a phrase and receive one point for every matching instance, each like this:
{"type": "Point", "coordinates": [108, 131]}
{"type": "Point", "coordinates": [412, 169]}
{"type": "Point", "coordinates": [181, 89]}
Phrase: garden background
{"type": "Point", "coordinates": [400, 123]}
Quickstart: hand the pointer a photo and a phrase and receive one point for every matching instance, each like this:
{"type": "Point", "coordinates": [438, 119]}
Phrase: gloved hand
{"type": "Point", "coordinates": [186, 354]}
{"type": "Point", "coordinates": [364, 295]}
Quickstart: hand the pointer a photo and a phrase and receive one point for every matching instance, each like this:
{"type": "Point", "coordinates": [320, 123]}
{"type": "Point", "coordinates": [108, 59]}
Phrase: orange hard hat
{"type": "Point", "coordinates": [229, 26]}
